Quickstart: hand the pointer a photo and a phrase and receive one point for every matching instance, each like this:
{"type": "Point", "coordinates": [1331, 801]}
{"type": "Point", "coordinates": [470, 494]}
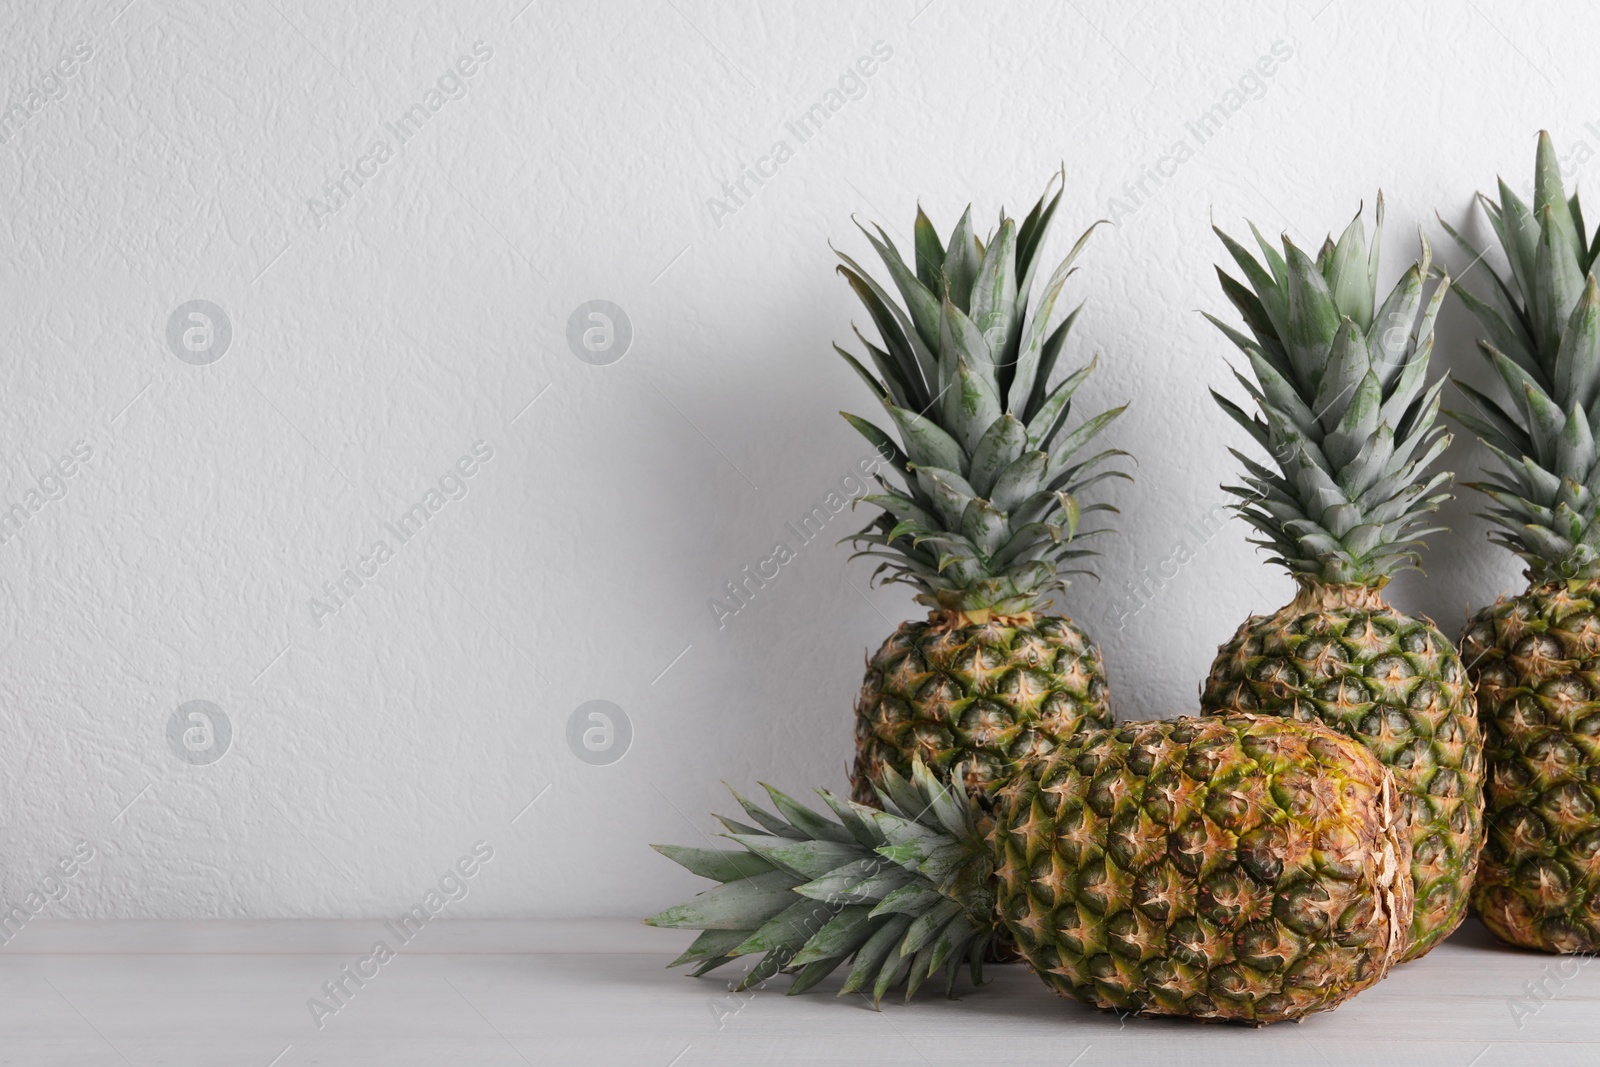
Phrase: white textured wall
{"type": "Point", "coordinates": [380, 335]}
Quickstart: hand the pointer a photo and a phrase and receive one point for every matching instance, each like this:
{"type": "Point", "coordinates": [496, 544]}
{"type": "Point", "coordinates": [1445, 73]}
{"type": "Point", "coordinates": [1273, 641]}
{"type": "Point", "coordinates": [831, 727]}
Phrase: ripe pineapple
{"type": "Point", "coordinates": [1349, 420]}
{"type": "Point", "coordinates": [1247, 868]}
{"type": "Point", "coordinates": [1534, 658]}
{"type": "Point", "coordinates": [984, 523]}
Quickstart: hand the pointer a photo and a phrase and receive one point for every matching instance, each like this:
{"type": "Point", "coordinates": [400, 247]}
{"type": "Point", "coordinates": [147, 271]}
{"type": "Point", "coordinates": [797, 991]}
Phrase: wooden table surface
{"type": "Point", "coordinates": [83, 994]}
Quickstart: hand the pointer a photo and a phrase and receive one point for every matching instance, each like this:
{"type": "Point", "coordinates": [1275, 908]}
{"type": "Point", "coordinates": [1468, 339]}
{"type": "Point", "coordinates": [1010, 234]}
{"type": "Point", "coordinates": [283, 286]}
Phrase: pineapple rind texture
{"type": "Point", "coordinates": [1535, 660]}
{"type": "Point", "coordinates": [1243, 868]}
{"type": "Point", "coordinates": [1397, 685]}
{"type": "Point", "coordinates": [982, 697]}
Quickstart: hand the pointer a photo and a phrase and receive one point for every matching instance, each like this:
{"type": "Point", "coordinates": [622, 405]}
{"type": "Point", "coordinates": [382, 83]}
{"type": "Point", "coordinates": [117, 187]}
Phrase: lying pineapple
{"type": "Point", "coordinates": [1534, 658]}
{"type": "Point", "coordinates": [1349, 420]}
{"type": "Point", "coordinates": [985, 522]}
{"type": "Point", "coordinates": [1246, 868]}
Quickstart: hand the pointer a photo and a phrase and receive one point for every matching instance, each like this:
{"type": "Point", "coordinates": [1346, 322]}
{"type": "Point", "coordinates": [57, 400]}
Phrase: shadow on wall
{"type": "Point", "coordinates": [759, 586]}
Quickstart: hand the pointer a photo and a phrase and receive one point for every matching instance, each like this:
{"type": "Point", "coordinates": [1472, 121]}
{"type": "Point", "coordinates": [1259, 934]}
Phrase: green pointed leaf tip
{"type": "Point", "coordinates": [897, 924]}
{"type": "Point", "coordinates": [966, 348]}
{"type": "Point", "coordinates": [1540, 331]}
{"type": "Point", "coordinates": [1337, 397]}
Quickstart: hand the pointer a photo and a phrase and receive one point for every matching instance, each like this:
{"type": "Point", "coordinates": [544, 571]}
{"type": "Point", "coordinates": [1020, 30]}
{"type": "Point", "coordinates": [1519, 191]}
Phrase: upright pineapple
{"type": "Point", "coordinates": [1349, 420]}
{"type": "Point", "coordinates": [1246, 868]}
{"type": "Point", "coordinates": [984, 520]}
{"type": "Point", "coordinates": [1535, 658]}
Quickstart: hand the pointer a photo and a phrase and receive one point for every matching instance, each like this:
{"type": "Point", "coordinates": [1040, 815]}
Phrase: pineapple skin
{"type": "Point", "coordinates": [1535, 660]}
{"type": "Point", "coordinates": [1340, 655]}
{"type": "Point", "coordinates": [1245, 868]}
{"type": "Point", "coordinates": [981, 696]}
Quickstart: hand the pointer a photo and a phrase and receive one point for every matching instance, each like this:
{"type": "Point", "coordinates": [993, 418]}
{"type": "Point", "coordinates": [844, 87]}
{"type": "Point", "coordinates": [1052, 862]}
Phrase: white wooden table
{"type": "Point", "coordinates": [468, 993]}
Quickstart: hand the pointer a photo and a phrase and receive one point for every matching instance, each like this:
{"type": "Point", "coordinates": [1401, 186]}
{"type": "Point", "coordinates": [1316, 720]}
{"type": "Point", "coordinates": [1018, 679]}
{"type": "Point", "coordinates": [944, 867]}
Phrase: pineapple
{"type": "Point", "coordinates": [1249, 868]}
{"type": "Point", "coordinates": [1534, 658]}
{"type": "Point", "coordinates": [984, 519]}
{"type": "Point", "coordinates": [1349, 420]}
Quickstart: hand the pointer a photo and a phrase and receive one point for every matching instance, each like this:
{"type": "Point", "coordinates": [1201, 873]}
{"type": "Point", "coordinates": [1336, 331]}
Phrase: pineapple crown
{"type": "Point", "coordinates": [905, 892]}
{"type": "Point", "coordinates": [1344, 407]}
{"type": "Point", "coordinates": [986, 516]}
{"type": "Point", "coordinates": [1541, 334]}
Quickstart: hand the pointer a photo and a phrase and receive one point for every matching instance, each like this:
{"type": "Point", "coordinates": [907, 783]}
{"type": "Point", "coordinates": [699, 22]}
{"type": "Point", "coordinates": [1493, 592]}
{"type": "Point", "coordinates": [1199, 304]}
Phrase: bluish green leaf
{"type": "Point", "coordinates": [961, 263]}
{"type": "Point", "coordinates": [1313, 318]}
{"type": "Point", "coordinates": [719, 865]}
{"type": "Point", "coordinates": [1347, 367]}
{"type": "Point", "coordinates": [742, 905]}
{"type": "Point", "coordinates": [1577, 370]}
{"type": "Point", "coordinates": [1348, 281]}
{"type": "Point", "coordinates": [1001, 444]}
{"type": "Point", "coordinates": [994, 294]}
{"type": "Point", "coordinates": [1021, 480]}
{"type": "Point", "coordinates": [930, 255]}
{"type": "Point", "coordinates": [926, 444]}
